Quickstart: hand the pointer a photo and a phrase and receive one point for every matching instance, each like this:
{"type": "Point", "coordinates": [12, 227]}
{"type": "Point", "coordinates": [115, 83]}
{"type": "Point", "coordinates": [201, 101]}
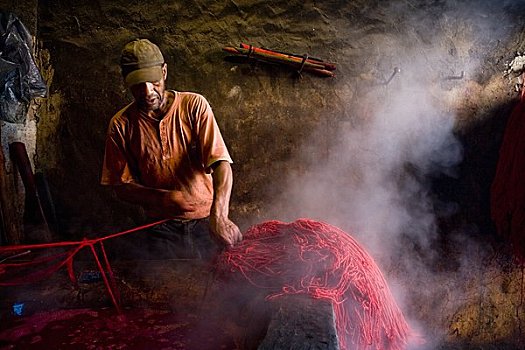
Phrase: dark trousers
{"type": "Point", "coordinates": [181, 239]}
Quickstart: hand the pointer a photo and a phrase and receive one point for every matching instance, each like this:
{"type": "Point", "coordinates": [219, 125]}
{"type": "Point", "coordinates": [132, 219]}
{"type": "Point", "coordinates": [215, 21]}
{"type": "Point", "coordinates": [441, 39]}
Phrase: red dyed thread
{"type": "Point", "coordinates": [60, 261]}
{"type": "Point", "coordinates": [320, 260]}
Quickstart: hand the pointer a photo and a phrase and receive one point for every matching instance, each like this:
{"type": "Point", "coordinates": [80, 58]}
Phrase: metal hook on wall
{"type": "Point", "coordinates": [396, 71]}
{"type": "Point", "coordinates": [456, 77]}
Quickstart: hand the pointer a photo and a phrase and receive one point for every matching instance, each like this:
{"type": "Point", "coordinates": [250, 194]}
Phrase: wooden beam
{"type": "Point", "coordinates": [11, 218]}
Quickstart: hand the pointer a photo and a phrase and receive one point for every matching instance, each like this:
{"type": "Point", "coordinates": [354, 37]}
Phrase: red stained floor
{"type": "Point", "coordinates": [104, 329]}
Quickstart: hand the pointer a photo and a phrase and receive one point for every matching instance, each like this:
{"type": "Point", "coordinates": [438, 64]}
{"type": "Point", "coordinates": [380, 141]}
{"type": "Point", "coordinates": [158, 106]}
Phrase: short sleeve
{"type": "Point", "coordinates": [212, 145]}
{"type": "Point", "coordinates": [116, 168]}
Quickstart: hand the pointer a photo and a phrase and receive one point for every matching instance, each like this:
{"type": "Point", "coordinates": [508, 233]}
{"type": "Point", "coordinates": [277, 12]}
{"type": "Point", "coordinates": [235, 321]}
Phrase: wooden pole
{"type": "Point", "coordinates": [11, 218]}
{"type": "Point", "coordinates": [302, 63]}
{"type": "Point", "coordinates": [34, 217]}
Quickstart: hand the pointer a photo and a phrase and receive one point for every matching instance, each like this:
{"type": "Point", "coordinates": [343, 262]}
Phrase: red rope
{"type": "Point", "coordinates": [33, 276]}
{"type": "Point", "coordinates": [105, 278]}
{"type": "Point", "coordinates": [313, 258]}
{"type": "Point", "coordinates": [11, 248]}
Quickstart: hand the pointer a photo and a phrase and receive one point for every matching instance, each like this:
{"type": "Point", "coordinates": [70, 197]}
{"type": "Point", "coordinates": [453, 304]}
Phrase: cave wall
{"type": "Point", "coordinates": [266, 113]}
{"type": "Point", "coordinates": [255, 106]}
{"type": "Point", "coordinates": [12, 194]}
{"type": "Point", "coordinates": [304, 145]}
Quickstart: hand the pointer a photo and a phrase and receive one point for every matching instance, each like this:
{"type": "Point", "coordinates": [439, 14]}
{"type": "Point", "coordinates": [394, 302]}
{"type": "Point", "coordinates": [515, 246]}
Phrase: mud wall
{"type": "Point", "coordinates": [404, 159]}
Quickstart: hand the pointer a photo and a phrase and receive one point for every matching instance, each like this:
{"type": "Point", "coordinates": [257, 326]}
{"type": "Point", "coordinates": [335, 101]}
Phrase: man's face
{"type": "Point", "coordinates": [150, 95]}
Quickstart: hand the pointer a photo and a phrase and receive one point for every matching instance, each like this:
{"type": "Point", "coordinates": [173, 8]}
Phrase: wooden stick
{"type": "Point", "coordinates": [11, 219]}
{"type": "Point", "coordinates": [294, 62]}
{"type": "Point", "coordinates": [34, 211]}
{"type": "Point", "coordinates": [289, 57]}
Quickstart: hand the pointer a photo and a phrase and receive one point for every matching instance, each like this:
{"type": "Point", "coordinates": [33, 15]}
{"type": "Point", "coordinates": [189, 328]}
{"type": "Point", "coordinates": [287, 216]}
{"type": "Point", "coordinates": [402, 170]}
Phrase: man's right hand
{"type": "Point", "coordinates": [225, 230]}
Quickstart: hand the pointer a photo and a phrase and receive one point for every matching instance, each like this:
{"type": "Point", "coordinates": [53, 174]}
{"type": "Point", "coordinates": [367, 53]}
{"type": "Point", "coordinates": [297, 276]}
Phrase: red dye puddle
{"type": "Point", "coordinates": [104, 329]}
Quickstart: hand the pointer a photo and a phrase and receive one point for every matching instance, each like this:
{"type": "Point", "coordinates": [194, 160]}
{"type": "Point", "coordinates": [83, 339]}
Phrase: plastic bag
{"type": "Point", "coordinates": [20, 79]}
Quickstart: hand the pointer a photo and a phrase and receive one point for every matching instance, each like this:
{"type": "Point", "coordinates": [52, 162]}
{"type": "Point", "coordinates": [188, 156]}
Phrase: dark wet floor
{"type": "Point", "coordinates": [105, 329]}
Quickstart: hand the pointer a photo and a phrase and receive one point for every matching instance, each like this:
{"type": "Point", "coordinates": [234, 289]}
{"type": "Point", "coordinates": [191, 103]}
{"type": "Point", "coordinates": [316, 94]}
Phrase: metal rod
{"type": "Point", "coordinates": [15, 256]}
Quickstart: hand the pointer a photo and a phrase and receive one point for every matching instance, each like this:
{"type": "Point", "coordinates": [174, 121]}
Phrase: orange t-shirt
{"type": "Point", "coordinates": [174, 153]}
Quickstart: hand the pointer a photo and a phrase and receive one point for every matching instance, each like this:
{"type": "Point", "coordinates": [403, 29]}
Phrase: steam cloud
{"type": "Point", "coordinates": [375, 182]}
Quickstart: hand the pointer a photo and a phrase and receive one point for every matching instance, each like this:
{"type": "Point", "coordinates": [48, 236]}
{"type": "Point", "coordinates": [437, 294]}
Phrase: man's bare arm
{"type": "Point", "coordinates": [164, 202]}
{"type": "Point", "coordinates": [221, 226]}
{"type": "Point", "coordinates": [138, 194]}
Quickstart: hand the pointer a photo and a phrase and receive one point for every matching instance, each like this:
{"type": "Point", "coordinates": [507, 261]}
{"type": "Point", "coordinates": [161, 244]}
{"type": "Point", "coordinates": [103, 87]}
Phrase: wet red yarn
{"type": "Point", "coordinates": [320, 260]}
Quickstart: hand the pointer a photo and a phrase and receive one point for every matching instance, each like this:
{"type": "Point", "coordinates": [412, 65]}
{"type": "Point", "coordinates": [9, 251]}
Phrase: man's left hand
{"type": "Point", "coordinates": [225, 230]}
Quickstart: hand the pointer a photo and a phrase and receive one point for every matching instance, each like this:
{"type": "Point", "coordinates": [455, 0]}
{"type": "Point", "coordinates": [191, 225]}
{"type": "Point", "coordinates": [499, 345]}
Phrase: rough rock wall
{"type": "Point", "coordinates": [257, 106]}
{"type": "Point", "coordinates": [12, 186]}
{"type": "Point", "coordinates": [406, 165]}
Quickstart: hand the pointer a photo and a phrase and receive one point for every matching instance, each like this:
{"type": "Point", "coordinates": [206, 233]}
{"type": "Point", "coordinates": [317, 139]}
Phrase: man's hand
{"type": "Point", "coordinates": [225, 230]}
{"type": "Point", "coordinates": [221, 227]}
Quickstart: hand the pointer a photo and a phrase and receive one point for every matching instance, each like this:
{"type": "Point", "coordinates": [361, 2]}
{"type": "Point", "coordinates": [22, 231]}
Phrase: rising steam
{"type": "Point", "coordinates": [376, 181]}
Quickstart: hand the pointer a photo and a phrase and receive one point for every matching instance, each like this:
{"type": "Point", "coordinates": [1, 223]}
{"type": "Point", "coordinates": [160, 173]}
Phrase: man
{"type": "Point", "coordinates": [164, 151]}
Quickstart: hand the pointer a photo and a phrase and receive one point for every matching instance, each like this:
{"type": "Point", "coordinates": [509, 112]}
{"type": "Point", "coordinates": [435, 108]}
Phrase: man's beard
{"type": "Point", "coordinates": [150, 103]}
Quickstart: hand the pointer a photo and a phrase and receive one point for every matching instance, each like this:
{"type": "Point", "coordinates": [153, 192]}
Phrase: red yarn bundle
{"type": "Point", "coordinates": [507, 192]}
{"type": "Point", "coordinates": [320, 260]}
